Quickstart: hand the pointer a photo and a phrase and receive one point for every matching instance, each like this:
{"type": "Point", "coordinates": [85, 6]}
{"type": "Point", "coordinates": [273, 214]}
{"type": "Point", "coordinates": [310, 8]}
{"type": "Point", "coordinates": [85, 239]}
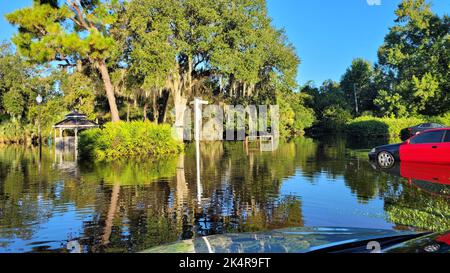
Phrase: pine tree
{"type": "Point", "coordinates": [74, 33]}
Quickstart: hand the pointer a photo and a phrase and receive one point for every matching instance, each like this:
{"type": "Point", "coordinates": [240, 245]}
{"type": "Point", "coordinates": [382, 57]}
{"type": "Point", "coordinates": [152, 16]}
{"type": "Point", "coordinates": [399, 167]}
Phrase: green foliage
{"type": "Point", "coordinates": [20, 83]}
{"type": "Point", "coordinates": [79, 94]}
{"type": "Point", "coordinates": [415, 59]}
{"type": "Point", "coordinates": [367, 126]}
{"type": "Point", "coordinates": [147, 31]}
{"type": "Point", "coordinates": [128, 139]}
{"type": "Point", "coordinates": [49, 33]}
{"type": "Point", "coordinates": [15, 132]}
{"type": "Point", "coordinates": [330, 93]}
{"type": "Point", "coordinates": [411, 77]}
{"type": "Point", "coordinates": [410, 80]}
{"type": "Point", "coordinates": [14, 77]}
{"type": "Point", "coordinates": [391, 104]}
{"type": "Point", "coordinates": [158, 53]}
{"type": "Point", "coordinates": [330, 105]}
{"type": "Point", "coordinates": [294, 116]}
{"type": "Point", "coordinates": [226, 48]}
{"type": "Point", "coordinates": [444, 119]}
{"type": "Point", "coordinates": [335, 118]}
{"type": "Point", "coordinates": [14, 104]}
{"type": "Point", "coordinates": [358, 81]}
{"type": "Point", "coordinates": [47, 114]}
{"type": "Point", "coordinates": [73, 34]}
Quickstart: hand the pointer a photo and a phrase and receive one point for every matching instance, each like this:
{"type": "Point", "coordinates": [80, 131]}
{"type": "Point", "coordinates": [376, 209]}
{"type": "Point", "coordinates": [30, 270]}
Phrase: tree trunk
{"type": "Point", "coordinates": [155, 108]}
{"type": "Point", "coordinates": [79, 66]}
{"type": "Point", "coordinates": [180, 103]}
{"type": "Point", "coordinates": [182, 190]}
{"type": "Point", "coordinates": [109, 91]}
{"type": "Point", "coordinates": [189, 76]}
{"type": "Point", "coordinates": [111, 214]}
{"type": "Point", "coordinates": [145, 111]}
{"type": "Point", "coordinates": [175, 84]}
{"type": "Point", "coordinates": [128, 111]}
{"type": "Point", "coordinates": [163, 115]}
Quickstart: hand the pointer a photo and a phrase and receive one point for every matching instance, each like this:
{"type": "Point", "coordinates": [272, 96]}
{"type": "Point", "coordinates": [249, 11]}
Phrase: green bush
{"type": "Point", "coordinates": [294, 116]}
{"type": "Point", "coordinates": [368, 126]}
{"type": "Point", "coordinates": [335, 118]}
{"type": "Point", "coordinates": [444, 119]}
{"type": "Point", "coordinates": [128, 139]}
{"type": "Point", "coordinates": [16, 133]}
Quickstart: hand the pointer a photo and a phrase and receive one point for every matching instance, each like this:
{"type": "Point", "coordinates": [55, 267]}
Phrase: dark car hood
{"type": "Point", "coordinates": [390, 146]}
{"type": "Point", "coordinates": [292, 240]}
{"type": "Point", "coordinates": [433, 243]}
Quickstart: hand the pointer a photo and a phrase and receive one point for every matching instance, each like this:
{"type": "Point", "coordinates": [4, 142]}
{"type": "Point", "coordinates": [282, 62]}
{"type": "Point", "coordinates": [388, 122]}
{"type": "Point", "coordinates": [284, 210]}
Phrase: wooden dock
{"type": "Point", "coordinates": [265, 143]}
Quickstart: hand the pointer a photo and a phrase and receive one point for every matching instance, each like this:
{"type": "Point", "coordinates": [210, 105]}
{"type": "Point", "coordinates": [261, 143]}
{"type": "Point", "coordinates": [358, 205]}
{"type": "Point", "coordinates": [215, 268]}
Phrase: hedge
{"type": "Point", "coordinates": [380, 127]}
{"type": "Point", "coordinates": [128, 139]}
{"type": "Point", "coordinates": [368, 126]}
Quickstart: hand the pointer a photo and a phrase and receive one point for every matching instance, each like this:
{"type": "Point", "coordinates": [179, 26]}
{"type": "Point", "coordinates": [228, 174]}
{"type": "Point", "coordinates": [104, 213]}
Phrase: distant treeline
{"type": "Point", "coordinates": [410, 80]}
{"type": "Point", "coordinates": [136, 60]}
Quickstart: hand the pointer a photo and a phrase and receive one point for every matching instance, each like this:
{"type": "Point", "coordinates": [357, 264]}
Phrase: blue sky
{"type": "Point", "coordinates": [328, 34]}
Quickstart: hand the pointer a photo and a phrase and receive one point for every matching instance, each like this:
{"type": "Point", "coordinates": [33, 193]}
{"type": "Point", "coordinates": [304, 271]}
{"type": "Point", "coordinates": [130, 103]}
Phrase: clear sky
{"type": "Point", "coordinates": [328, 34]}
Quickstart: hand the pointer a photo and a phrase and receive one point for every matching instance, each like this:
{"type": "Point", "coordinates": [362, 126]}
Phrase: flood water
{"type": "Point", "coordinates": [56, 204]}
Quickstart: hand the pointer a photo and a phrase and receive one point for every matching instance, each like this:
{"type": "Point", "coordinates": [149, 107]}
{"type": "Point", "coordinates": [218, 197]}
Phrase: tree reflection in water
{"type": "Point", "coordinates": [136, 204]}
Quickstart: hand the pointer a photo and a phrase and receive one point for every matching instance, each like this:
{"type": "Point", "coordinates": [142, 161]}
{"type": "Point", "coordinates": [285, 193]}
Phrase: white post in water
{"type": "Point", "coordinates": [197, 132]}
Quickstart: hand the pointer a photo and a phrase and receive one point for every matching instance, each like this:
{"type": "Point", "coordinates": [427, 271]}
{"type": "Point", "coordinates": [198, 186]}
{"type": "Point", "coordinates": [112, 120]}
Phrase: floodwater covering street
{"type": "Point", "coordinates": [56, 204]}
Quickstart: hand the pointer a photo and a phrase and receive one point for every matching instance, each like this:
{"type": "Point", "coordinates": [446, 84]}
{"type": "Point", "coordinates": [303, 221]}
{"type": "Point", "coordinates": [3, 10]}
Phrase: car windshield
{"type": "Point", "coordinates": [425, 125]}
{"type": "Point", "coordinates": [428, 137]}
{"type": "Point", "coordinates": [447, 136]}
{"type": "Point", "coordinates": [291, 240]}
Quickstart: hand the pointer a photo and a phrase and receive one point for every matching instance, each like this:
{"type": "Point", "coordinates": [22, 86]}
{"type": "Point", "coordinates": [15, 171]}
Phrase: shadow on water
{"type": "Point", "coordinates": [59, 205]}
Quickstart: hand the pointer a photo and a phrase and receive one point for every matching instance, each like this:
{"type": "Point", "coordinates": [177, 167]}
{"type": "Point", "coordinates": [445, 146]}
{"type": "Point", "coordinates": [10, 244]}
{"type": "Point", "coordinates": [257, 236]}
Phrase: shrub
{"type": "Point", "coordinates": [444, 119]}
{"type": "Point", "coordinates": [16, 133]}
{"type": "Point", "coordinates": [294, 116]}
{"type": "Point", "coordinates": [335, 118]}
{"type": "Point", "coordinates": [128, 139]}
{"type": "Point", "coordinates": [368, 126]}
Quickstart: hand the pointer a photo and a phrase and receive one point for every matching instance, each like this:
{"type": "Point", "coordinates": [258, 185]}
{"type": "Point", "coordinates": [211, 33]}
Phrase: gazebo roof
{"type": "Point", "coordinates": [75, 120]}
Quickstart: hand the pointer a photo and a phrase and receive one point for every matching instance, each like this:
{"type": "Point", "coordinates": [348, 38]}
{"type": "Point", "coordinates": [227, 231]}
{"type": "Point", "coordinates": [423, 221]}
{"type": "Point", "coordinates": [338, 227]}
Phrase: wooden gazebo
{"type": "Point", "coordinates": [74, 121]}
